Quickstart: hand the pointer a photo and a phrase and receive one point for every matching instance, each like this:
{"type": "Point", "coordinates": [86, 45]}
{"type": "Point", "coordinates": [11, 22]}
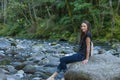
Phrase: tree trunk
{"type": "Point", "coordinates": [30, 13]}
{"type": "Point", "coordinates": [3, 7]}
{"type": "Point", "coordinates": [96, 24]}
{"type": "Point", "coordinates": [113, 20]}
{"type": "Point", "coordinates": [34, 12]}
{"type": "Point", "coordinates": [48, 11]}
{"type": "Point", "coordinates": [68, 8]}
{"type": "Point", "coordinates": [102, 19]}
{"type": "Point", "coordinates": [118, 6]}
{"type": "Point", "coordinates": [26, 17]}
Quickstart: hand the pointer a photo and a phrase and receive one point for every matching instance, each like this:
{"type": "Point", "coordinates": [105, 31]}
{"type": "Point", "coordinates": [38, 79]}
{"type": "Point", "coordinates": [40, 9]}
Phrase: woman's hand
{"type": "Point", "coordinates": [85, 61]}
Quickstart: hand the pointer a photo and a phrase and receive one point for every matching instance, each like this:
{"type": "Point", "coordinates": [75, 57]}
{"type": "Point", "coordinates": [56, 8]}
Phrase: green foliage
{"type": "Point", "coordinates": [51, 19]}
{"type": "Point", "coordinates": [80, 6]}
{"type": "Point", "coordinates": [3, 30]}
{"type": "Point", "coordinates": [13, 31]}
{"type": "Point", "coordinates": [45, 28]}
{"type": "Point", "coordinates": [65, 20]}
{"type": "Point", "coordinates": [102, 39]}
{"type": "Point", "coordinates": [73, 37]}
{"type": "Point", "coordinates": [61, 4]}
{"type": "Point", "coordinates": [65, 35]}
{"type": "Point", "coordinates": [117, 28]}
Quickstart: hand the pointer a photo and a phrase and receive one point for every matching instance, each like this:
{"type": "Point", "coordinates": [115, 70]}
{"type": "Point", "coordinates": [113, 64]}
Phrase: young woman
{"type": "Point", "coordinates": [82, 55]}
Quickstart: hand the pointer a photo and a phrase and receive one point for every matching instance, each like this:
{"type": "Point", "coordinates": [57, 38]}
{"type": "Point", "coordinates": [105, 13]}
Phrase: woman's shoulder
{"type": "Point", "coordinates": [88, 34]}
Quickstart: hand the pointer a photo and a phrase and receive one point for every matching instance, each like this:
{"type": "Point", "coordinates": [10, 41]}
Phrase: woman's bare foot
{"type": "Point", "coordinates": [53, 76]}
{"type": "Point", "coordinates": [50, 78]}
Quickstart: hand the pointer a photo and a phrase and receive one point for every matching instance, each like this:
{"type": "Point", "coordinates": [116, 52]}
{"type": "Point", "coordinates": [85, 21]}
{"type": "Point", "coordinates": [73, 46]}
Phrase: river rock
{"type": "Point", "coordinates": [29, 69]}
{"type": "Point", "coordinates": [20, 74]}
{"type": "Point", "coordinates": [118, 48]}
{"type": "Point", "coordinates": [37, 57]}
{"type": "Point", "coordinates": [102, 51]}
{"type": "Point", "coordinates": [36, 78]}
{"type": "Point", "coordinates": [2, 74]}
{"type": "Point", "coordinates": [11, 69]}
{"type": "Point", "coordinates": [18, 65]}
{"type": "Point", "coordinates": [53, 61]}
{"type": "Point", "coordinates": [2, 53]}
{"type": "Point", "coordinates": [99, 67]}
{"type": "Point", "coordinates": [4, 43]}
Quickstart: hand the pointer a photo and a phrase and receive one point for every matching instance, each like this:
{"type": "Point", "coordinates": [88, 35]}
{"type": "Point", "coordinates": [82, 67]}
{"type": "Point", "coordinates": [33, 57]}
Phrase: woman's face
{"type": "Point", "coordinates": [84, 27]}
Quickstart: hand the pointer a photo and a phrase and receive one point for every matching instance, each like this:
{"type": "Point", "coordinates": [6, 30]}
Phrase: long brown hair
{"type": "Point", "coordinates": [88, 26]}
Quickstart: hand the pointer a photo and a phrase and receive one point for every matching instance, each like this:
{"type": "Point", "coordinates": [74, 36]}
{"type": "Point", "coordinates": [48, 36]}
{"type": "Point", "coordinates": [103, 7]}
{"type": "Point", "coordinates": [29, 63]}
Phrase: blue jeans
{"type": "Point", "coordinates": [69, 59]}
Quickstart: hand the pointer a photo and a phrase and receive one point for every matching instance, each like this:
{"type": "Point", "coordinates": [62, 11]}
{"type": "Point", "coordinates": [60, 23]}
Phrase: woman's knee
{"type": "Point", "coordinates": [62, 59]}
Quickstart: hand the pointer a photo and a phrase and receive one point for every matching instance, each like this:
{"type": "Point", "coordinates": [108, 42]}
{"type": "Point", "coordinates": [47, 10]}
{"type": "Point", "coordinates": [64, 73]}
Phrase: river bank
{"type": "Point", "coordinates": [22, 59]}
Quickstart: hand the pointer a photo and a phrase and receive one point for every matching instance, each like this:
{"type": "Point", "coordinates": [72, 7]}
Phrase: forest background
{"type": "Point", "coordinates": [60, 19]}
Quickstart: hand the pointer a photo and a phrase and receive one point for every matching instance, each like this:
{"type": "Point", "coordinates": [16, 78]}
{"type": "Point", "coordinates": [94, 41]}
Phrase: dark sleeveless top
{"type": "Point", "coordinates": [82, 45]}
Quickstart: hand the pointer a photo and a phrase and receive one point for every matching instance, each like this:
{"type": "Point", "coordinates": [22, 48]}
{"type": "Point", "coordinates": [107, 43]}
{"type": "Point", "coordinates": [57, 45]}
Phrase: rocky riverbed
{"type": "Point", "coordinates": [22, 59]}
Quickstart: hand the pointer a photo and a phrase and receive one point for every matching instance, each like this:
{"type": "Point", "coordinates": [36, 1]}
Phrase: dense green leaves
{"type": "Point", "coordinates": [60, 19]}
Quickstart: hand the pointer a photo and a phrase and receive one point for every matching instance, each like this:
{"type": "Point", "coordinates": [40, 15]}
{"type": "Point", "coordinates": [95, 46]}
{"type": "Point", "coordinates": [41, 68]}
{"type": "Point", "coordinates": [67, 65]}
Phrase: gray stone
{"type": "Point", "coordinates": [52, 61]}
{"type": "Point", "coordinates": [37, 78]}
{"type": "Point", "coordinates": [11, 68]}
{"type": "Point", "coordinates": [102, 51]}
{"type": "Point", "coordinates": [99, 67]}
{"type": "Point", "coordinates": [118, 48]}
{"type": "Point", "coordinates": [12, 77]}
{"type": "Point", "coordinates": [38, 48]}
{"type": "Point", "coordinates": [4, 43]}
{"type": "Point", "coordinates": [37, 57]}
{"type": "Point", "coordinates": [2, 53]}
{"type": "Point", "coordinates": [18, 65]}
{"type": "Point", "coordinates": [29, 69]}
{"type": "Point", "coordinates": [20, 74]}
{"type": "Point", "coordinates": [2, 74]}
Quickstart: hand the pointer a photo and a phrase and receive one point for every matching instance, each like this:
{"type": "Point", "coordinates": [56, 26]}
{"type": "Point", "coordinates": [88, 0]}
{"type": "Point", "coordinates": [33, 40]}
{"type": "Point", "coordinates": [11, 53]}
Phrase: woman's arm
{"type": "Point", "coordinates": [87, 50]}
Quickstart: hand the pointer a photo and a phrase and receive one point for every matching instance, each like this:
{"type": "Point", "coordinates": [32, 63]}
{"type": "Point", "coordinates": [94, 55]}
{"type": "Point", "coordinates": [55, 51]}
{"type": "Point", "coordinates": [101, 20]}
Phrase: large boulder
{"type": "Point", "coordinates": [99, 67]}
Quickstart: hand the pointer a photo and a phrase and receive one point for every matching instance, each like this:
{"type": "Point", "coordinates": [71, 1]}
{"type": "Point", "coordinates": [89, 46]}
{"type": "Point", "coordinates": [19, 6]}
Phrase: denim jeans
{"type": "Point", "coordinates": [69, 59]}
